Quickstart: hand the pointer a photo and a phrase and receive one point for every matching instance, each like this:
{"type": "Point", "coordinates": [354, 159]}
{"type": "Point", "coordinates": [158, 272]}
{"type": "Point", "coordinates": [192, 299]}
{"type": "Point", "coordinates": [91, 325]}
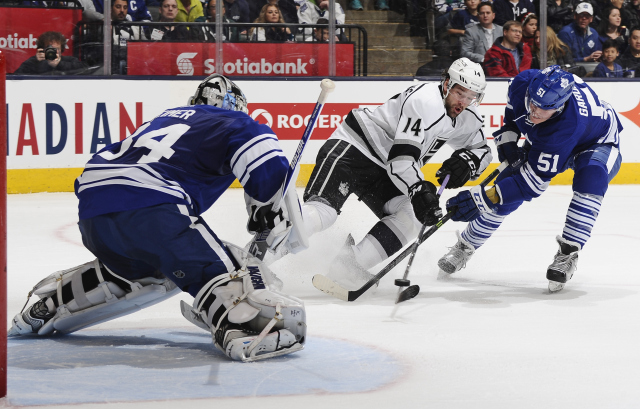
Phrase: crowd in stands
{"type": "Point", "coordinates": [599, 38]}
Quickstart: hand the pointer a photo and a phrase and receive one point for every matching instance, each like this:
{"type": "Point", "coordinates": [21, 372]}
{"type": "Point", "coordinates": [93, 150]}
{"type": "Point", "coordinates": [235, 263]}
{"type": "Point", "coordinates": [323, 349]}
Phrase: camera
{"type": "Point", "coordinates": [50, 53]}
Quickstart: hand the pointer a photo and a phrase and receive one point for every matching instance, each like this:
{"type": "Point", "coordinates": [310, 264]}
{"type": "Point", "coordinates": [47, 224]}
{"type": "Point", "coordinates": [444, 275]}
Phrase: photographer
{"type": "Point", "coordinates": [49, 59]}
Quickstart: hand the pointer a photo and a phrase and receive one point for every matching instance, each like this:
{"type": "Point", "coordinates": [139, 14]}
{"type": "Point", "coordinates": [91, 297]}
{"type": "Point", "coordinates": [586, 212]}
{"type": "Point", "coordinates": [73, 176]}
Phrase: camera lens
{"type": "Point", "coordinates": [50, 53]}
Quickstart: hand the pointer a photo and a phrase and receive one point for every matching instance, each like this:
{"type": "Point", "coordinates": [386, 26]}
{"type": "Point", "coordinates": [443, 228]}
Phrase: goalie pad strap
{"type": "Point", "coordinates": [83, 283]}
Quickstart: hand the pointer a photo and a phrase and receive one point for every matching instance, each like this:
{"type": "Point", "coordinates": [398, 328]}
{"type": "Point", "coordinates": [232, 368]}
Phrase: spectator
{"type": "Point", "coordinates": [479, 38]}
{"type": "Point", "coordinates": [49, 59]}
{"type": "Point", "coordinates": [209, 31]}
{"type": "Point", "coordinates": [558, 53]}
{"type": "Point", "coordinates": [508, 56]}
{"type": "Point", "coordinates": [237, 11]}
{"type": "Point", "coordinates": [464, 18]}
{"type": "Point", "coordinates": [630, 59]}
{"type": "Point", "coordinates": [288, 8]}
{"type": "Point", "coordinates": [270, 13]}
{"type": "Point", "coordinates": [89, 12]}
{"type": "Point", "coordinates": [610, 28]}
{"type": "Point", "coordinates": [529, 27]}
{"type": "Point", "coordinates": [582, 40]}
{"type": "Point", "coordinates": [138, 11]}
{"type": "Point", "coordinates": [168, 13]}
{"type": "Point", "coordinates": [507, 10]}
{"type": "Point", "coordinates": [122, 34]}
{"type": "Point", "coordinates": [189, 11]}
{"type": "Point", "coordinates": [631, 14]}
{"type": "Point", "coordinates": [309, 13]}
{"type": "Point", "coordinates": [378, 5]}
{"type": "Point", "coordinates": [608, 68]}
{"type": "Point", "coordinates": [321, 35]}
{"type": "Point", "coordinates": [559, 14]}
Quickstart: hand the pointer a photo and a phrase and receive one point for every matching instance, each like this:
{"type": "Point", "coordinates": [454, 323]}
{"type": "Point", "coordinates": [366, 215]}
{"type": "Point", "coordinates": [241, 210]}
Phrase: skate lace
{"type": "Point", "coordinates": [460, 253]}
{"type": "Point", "coordinates": [562, 262]}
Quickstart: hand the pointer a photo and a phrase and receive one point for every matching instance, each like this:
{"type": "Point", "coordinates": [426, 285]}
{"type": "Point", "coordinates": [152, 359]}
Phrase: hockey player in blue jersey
{"type": "Point", "coordinates": [140, 207]}
{"type": "Point", "coordinates": [565, 125]}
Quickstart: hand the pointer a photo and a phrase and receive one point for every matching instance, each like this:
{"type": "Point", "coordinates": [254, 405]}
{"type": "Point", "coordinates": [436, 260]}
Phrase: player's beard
{"type": "Point", "coordinates": [453, 108]}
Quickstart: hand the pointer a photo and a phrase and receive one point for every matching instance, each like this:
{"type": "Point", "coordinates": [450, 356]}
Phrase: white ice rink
{"type": "Point", "coordinates": [488, 337]}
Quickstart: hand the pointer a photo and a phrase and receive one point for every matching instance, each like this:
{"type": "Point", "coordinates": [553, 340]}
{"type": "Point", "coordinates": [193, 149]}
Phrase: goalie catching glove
{"type": "Point", "coordinates": [249, 319]}
{"type": "Point", "coordinates": [461, 166]}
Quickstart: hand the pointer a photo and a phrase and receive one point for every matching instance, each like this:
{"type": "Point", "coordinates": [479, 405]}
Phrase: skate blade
{"type": "Point", "coordinates": [555, 286]}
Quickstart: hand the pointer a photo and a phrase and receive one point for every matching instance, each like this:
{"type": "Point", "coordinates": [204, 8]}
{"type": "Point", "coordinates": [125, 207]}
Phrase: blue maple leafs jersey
{"type": "Point", "coordinates": [188, 155]}
{"type": "Point", "coordinates": [584, 122]}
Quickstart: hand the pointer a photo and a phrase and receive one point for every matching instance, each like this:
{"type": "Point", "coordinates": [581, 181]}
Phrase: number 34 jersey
{"type": "Point", "coordinates": [188, 155]}
{"type": "Point", "coordinates": [585, 122]}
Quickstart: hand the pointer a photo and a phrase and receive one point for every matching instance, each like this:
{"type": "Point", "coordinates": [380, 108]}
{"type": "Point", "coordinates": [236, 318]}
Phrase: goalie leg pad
{"type": "Point", "coordinates": [90, 294]}
{"type": "Point", "coordinates": [248, 318]}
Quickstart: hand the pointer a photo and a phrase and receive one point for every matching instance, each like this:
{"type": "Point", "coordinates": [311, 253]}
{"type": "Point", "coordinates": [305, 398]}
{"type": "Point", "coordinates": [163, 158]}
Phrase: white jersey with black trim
{"type": "Point", "coordinates": [404, 133]}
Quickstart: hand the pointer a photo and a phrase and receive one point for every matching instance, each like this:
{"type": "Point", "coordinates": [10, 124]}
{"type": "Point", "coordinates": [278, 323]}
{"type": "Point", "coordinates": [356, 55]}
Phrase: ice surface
{"type": "Point", "coordinates": [489, 336]}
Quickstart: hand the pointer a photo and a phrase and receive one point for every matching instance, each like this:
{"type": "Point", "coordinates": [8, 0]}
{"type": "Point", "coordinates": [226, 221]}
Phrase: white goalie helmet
{"type": "Point", "coordinates": [467, 74]}
{"type": "Point", "coordinates": [219, 91]}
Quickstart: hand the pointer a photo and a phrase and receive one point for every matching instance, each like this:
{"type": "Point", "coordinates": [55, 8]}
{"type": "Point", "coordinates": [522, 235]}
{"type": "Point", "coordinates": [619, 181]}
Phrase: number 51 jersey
{"type": "Point", "coordinates": [188, 155]}
{"type": "Point", "coordinates": [585, 121]}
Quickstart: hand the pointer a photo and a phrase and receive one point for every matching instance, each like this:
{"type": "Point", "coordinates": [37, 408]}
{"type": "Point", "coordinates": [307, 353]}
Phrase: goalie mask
{"type": "Point", "coordinates": [219, 91]}
{"type": "Point", "coordinates": [466, 74]}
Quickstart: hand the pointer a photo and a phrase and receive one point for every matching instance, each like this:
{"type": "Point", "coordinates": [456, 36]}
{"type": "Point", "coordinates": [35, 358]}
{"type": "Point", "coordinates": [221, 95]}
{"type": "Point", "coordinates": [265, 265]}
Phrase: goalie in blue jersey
{"type": "Point", "coordinates": [565, 125]}
{"type": "Point", "coordinates": [140, 207]}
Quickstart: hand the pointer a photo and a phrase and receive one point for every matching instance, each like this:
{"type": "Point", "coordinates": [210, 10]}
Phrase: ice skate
{"type": "Point", "coordinates": [457, 257]}
{"type": "Point", "coordinates": [345, 270]}
{"type": "Point", "coordinates": [31, 320]}
{"type": "Point", "coordinates": [564, 264]}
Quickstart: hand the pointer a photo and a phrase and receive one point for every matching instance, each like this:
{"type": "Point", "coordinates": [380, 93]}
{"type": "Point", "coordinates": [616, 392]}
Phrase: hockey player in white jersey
{"type": "Point", "coordinates": [378, 155]}
{"type": "Point", "coordinates": [140, 206]}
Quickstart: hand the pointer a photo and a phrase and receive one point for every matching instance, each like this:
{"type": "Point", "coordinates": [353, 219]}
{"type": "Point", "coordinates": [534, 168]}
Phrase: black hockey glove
{"type": "Point", "coordinates": [461, 166]}
{"type": "Point", "coordinates": [425, 203]}
{"type": "Point", "coordinates": [263, 218]}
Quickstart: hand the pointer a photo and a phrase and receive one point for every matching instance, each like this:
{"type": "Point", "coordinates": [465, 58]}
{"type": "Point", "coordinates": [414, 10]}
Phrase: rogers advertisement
{"type": "Point", "coordinates": [265, 59]}
{"type": "Point", "coordinates": [20, 28]}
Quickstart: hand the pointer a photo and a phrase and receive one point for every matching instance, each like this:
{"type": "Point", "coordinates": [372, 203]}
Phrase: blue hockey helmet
{"type": "Point", "coordinates": [550, 88]}
{"type": "Point", "coordinates": [219, 91]}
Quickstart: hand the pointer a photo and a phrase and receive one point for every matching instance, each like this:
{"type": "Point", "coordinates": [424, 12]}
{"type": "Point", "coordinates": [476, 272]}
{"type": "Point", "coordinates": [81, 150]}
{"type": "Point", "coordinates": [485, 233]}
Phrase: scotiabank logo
{"type": "Point", "coordinates": [289, 120]}
{"type": "Point", "coordinates": [185, 66]}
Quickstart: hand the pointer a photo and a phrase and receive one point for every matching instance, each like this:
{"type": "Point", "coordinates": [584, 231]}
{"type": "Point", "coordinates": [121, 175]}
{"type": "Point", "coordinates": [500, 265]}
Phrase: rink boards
{"type": "Point", "coordinates": [55, 125]}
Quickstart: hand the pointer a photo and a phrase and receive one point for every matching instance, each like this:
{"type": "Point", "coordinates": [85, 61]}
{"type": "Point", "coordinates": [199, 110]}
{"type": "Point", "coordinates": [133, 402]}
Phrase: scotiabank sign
{"type": "Point", "coordinates": [289, 59]}
{"type": "Point", "coordinates": [289, 120]}
{"type": "Point", "coordinates": [20, 28]}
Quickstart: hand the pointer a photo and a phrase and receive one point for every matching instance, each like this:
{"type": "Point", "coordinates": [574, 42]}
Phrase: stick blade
{"type": "Point", "coordinates": [327, 286]}
{"type": "Point", "coordinates": [408, 293]}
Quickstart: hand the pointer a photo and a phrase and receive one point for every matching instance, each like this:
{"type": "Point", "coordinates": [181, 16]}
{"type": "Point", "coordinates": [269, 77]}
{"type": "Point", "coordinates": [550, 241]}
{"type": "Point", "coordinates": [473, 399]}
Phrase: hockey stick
{"type": "Point", "coordinates": [413, 290]}
{"type": "Point", "coordinates": [259, 245]}
{"type": "Point", "coordinates": [326, 285]}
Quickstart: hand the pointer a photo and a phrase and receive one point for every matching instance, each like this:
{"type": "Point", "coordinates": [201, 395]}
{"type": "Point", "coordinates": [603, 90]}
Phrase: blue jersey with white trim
{"type": "Point", "coordinates": [585, 121]}
{"type": "Point", "coordinates": [187, 155]}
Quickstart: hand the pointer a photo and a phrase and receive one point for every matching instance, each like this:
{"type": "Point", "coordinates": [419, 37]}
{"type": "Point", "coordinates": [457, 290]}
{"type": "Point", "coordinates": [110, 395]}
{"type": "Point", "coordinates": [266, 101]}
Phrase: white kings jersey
{"type": "Point", "coordinates": [404, 133]}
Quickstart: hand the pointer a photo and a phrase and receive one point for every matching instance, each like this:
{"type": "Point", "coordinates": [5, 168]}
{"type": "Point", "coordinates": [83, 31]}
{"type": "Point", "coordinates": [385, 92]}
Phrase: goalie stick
{"type": "Point", "coordinates": [328, 286]}
{"type": "Point", "coordinates": [259, 247]}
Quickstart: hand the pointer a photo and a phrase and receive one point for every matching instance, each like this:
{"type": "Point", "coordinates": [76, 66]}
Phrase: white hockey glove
{"type": "Point", "coordinates": [248, 318]}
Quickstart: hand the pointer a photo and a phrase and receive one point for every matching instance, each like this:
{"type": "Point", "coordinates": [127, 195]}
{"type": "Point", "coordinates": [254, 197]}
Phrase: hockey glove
{"type": "Point", "coordinates": [470, 204]}
{"type": "Point", "coordinates": [425, 203]}
{"type": "Point", "coordinates": [263, 218]}
{"type": "Point", "coordinates": [508, 149]}
{"type": "Point", "coordinates": [461, 166]}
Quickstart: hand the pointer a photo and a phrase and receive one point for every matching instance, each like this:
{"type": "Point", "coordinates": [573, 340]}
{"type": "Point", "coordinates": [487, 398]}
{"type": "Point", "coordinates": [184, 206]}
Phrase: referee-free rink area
{"type": "Point", "coordinates": [490, 336]}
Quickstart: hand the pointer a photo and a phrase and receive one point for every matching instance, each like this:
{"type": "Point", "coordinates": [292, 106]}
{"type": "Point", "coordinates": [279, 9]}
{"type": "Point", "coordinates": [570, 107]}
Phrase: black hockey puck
{"type": "Point", "coordinates": [401, 282]}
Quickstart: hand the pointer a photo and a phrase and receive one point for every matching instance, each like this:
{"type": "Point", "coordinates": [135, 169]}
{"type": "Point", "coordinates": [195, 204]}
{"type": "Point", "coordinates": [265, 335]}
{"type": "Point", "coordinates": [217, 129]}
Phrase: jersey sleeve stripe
{"type": "Point", "coordinates": [242, 162]}
{"type": "Point", "coordinates": [537, 185]}
{"type": "Point", "coordinates": [130, 182]}
{"type": "Point", "coordinates": [405, 149]}
{"type": "Point", "coordinates": [244, 177]}
{"type": "Point", "coordinates": [253, 145]}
